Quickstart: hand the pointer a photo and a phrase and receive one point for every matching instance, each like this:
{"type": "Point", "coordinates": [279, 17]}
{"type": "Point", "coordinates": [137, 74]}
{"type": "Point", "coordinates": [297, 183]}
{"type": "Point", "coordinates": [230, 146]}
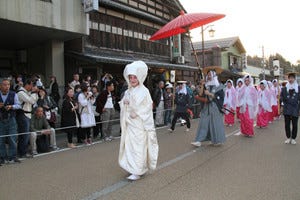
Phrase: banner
{"type": "Point", "coordinates": [176, 48]}
{"type": "Point", "coordinates": [172, 76]}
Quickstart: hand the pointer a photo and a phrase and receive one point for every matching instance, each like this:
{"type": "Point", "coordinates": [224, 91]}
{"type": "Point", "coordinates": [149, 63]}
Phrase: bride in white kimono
{"type": "Point", "coordinates": [138, 145]}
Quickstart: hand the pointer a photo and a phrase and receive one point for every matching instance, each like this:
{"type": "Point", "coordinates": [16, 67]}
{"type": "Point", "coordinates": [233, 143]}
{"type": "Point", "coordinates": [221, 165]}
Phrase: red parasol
{"type": "Point", "coordinates": [185, 22]}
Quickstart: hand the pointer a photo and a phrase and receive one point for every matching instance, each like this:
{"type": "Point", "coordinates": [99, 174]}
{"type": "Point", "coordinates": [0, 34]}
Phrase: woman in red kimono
{"type": "Point", "coordinates": [229, 103]}
{"type": "Point", "coordinates": [247, 99]}
{"type": "Point", "coordinates": [276, 107]}
{"type": "Point", "coordinates": [264, 105]}
{"type": "Point", "coordinates": [239, 84]}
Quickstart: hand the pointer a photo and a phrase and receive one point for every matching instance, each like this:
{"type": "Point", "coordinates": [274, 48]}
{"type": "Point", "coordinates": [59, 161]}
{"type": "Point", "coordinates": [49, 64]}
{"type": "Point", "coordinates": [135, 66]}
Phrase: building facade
{"type": "Point", "coordinates": [228, 53]}
{"type": "Point", "coordinates": [33, 33]}
{"type": "Point", "coordinates": [119, 34]}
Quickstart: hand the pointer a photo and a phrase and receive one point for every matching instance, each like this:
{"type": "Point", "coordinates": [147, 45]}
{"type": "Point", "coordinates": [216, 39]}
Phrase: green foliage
{"type": "Point", "coordinates": [286, 65]}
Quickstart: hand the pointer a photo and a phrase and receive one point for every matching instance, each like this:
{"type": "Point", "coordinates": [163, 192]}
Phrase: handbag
{"type": "Point", "coordinates": [52, 117]}
{"type": "Point", "coordinates": [48, 114]}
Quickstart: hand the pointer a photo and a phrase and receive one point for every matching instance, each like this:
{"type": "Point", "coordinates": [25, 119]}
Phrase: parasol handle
{"type": "Point", "coordinates": [195, 55]}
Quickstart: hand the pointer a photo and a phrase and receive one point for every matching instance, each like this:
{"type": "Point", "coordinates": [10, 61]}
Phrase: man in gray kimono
{"type": "Point", "coordinates": [211, 125]}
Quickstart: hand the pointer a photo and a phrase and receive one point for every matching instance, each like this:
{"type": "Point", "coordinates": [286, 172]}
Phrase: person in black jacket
{"type": "Point", "coordinates": [49, 106]}
{"type": "Point", "coordinates": [69, 117]}
{"type": "Point", "coordinates": [158, 100]}
{"type": "Point", "coordinates": [182, 101]}
{"type": "Point", "coordinates": [54, 90]}
{"type": "Point", "coordinates": [105, 106]}
{"type": "Point", "coordinates": [290, 98]}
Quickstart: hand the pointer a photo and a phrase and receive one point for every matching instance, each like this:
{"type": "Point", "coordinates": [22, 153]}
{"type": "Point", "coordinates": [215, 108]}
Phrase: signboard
{"type": "Point", "coordinates": [176, 48]}
{"type": "Point", "coordinates": [90, 5]}
{"type": "Point", "coordinates": [276, 67]}
{"type": "Point", "coordinates": [172, 76]}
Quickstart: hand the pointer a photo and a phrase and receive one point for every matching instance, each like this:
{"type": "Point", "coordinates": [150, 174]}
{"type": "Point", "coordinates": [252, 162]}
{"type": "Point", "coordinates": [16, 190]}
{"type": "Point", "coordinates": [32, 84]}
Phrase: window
{"type": "Point", "coordinates": [107, 28]}
{"type": "Point", "coordinates": [102, 27]}
{"type": "Point", "coordinates": [114, 30]}
{"type": "Point", "coordinates": [120, 31]}
{"type": "Point", "coordinates": [95, 25]}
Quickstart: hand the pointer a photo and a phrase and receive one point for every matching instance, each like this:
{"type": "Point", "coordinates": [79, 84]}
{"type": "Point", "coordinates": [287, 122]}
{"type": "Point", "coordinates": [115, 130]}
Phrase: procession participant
{"type": "Point", "coordinates": [239, 84]}
{"type": "Point", "coordinates": [211, 126]}
{"type": "Point", "coordinates": [168, 104]}
{"type": "Point", "coordinates": [138, 146]}
{"type": "Point", "coordinates": [247, 101]}
{"type": "Point", "coordinates": [273, 100]}
{"type": "Point", "coordinates": [182, 102]}
{"type": "Point", "coordinates": [229, 103]}
{"type": "Point", "coordinates": [264, 105]}
{"type": "Point", "coordinates": [276, 107]}
{"type": "Point", "coordinates": [290, 98]}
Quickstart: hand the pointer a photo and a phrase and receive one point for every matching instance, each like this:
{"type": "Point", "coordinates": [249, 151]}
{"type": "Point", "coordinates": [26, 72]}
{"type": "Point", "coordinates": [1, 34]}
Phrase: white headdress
{"type": "Point", "coordinates": [137, 68]}
{"type": "Point", "coordinates": [214, 80]}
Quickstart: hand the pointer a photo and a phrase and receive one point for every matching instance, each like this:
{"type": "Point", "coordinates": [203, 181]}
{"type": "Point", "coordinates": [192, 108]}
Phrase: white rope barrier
{"type": "Point", "coordinates": [69, 127]}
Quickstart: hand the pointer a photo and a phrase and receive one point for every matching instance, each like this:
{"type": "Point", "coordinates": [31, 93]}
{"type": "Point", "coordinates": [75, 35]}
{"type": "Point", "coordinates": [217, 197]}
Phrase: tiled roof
{"type": "Point", "coordinates": [123, 59]}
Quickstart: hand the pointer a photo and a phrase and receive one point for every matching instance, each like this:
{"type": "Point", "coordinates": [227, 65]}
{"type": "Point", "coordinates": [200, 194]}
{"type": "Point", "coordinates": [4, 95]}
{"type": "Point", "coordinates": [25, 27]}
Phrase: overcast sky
{"type": "Point", "coordinates": [272, 24]}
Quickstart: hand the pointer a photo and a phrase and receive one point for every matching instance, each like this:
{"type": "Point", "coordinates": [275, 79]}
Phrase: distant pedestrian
{"type": "Point", "coordinates": [264, 105]}
{"type": "Point", "coordinates": [276, 107]}
{"type": "Point", "coordinates": [229, 103]}
{"type": "Point", "coordinates": [169, 97]}
{"type": "Point", "coordinates": [138, 145]}
{"type": "Point", "coordinates": [183, 103]}
{"type": "Point", "coordinates": [290, 98]}
{"type": "Point", "coordinates": [273, 100]}
{"type": "Point", "coordinates": [239, 85]}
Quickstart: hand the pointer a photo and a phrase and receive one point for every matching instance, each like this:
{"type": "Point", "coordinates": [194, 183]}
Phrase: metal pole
{"type": "Point", "coordinates": [203, 53]}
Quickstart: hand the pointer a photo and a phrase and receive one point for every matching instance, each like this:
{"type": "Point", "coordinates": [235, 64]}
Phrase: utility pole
{"type": "Point", "coordinates": [263, 62]}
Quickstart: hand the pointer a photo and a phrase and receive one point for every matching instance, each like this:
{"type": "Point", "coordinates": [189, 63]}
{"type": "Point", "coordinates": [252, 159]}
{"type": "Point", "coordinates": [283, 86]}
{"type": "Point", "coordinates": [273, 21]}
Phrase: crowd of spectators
{"type": "Point", "coordinates": [86, 111]}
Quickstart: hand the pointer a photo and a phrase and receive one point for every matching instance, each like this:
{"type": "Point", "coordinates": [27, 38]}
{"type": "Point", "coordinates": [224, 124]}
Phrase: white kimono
{"type": "Point", "coordinates": [138, 145]}
{"type": "Point", "coordinates": [86, 112]}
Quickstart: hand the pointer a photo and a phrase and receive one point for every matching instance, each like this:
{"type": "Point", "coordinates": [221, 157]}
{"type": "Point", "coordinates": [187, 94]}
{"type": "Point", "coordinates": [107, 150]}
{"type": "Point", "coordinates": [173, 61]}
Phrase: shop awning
{"type": "Point", "coordinates": [126, 60]}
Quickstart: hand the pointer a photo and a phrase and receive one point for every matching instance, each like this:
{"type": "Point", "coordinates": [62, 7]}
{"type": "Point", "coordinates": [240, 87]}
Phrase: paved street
{"type": "Point", "coordinates": [261, 168]}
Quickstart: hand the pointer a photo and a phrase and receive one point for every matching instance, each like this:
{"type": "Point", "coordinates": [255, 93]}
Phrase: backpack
{"type": "Point", "coordinates": [42, 143]}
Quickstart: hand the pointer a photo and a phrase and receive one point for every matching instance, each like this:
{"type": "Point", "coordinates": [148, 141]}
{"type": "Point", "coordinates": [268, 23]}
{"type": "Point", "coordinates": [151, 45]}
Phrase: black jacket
{"type": "Point", "coordinates": [291, 101]}
{"type": "Point", "coordinates": [68, 117]}
{"type": "Point", "coordinates": [157, 96]}
{"type": "Point", "coordinates": [55, 92]}
{"type": "Point", "coordinates": [101, 100]}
